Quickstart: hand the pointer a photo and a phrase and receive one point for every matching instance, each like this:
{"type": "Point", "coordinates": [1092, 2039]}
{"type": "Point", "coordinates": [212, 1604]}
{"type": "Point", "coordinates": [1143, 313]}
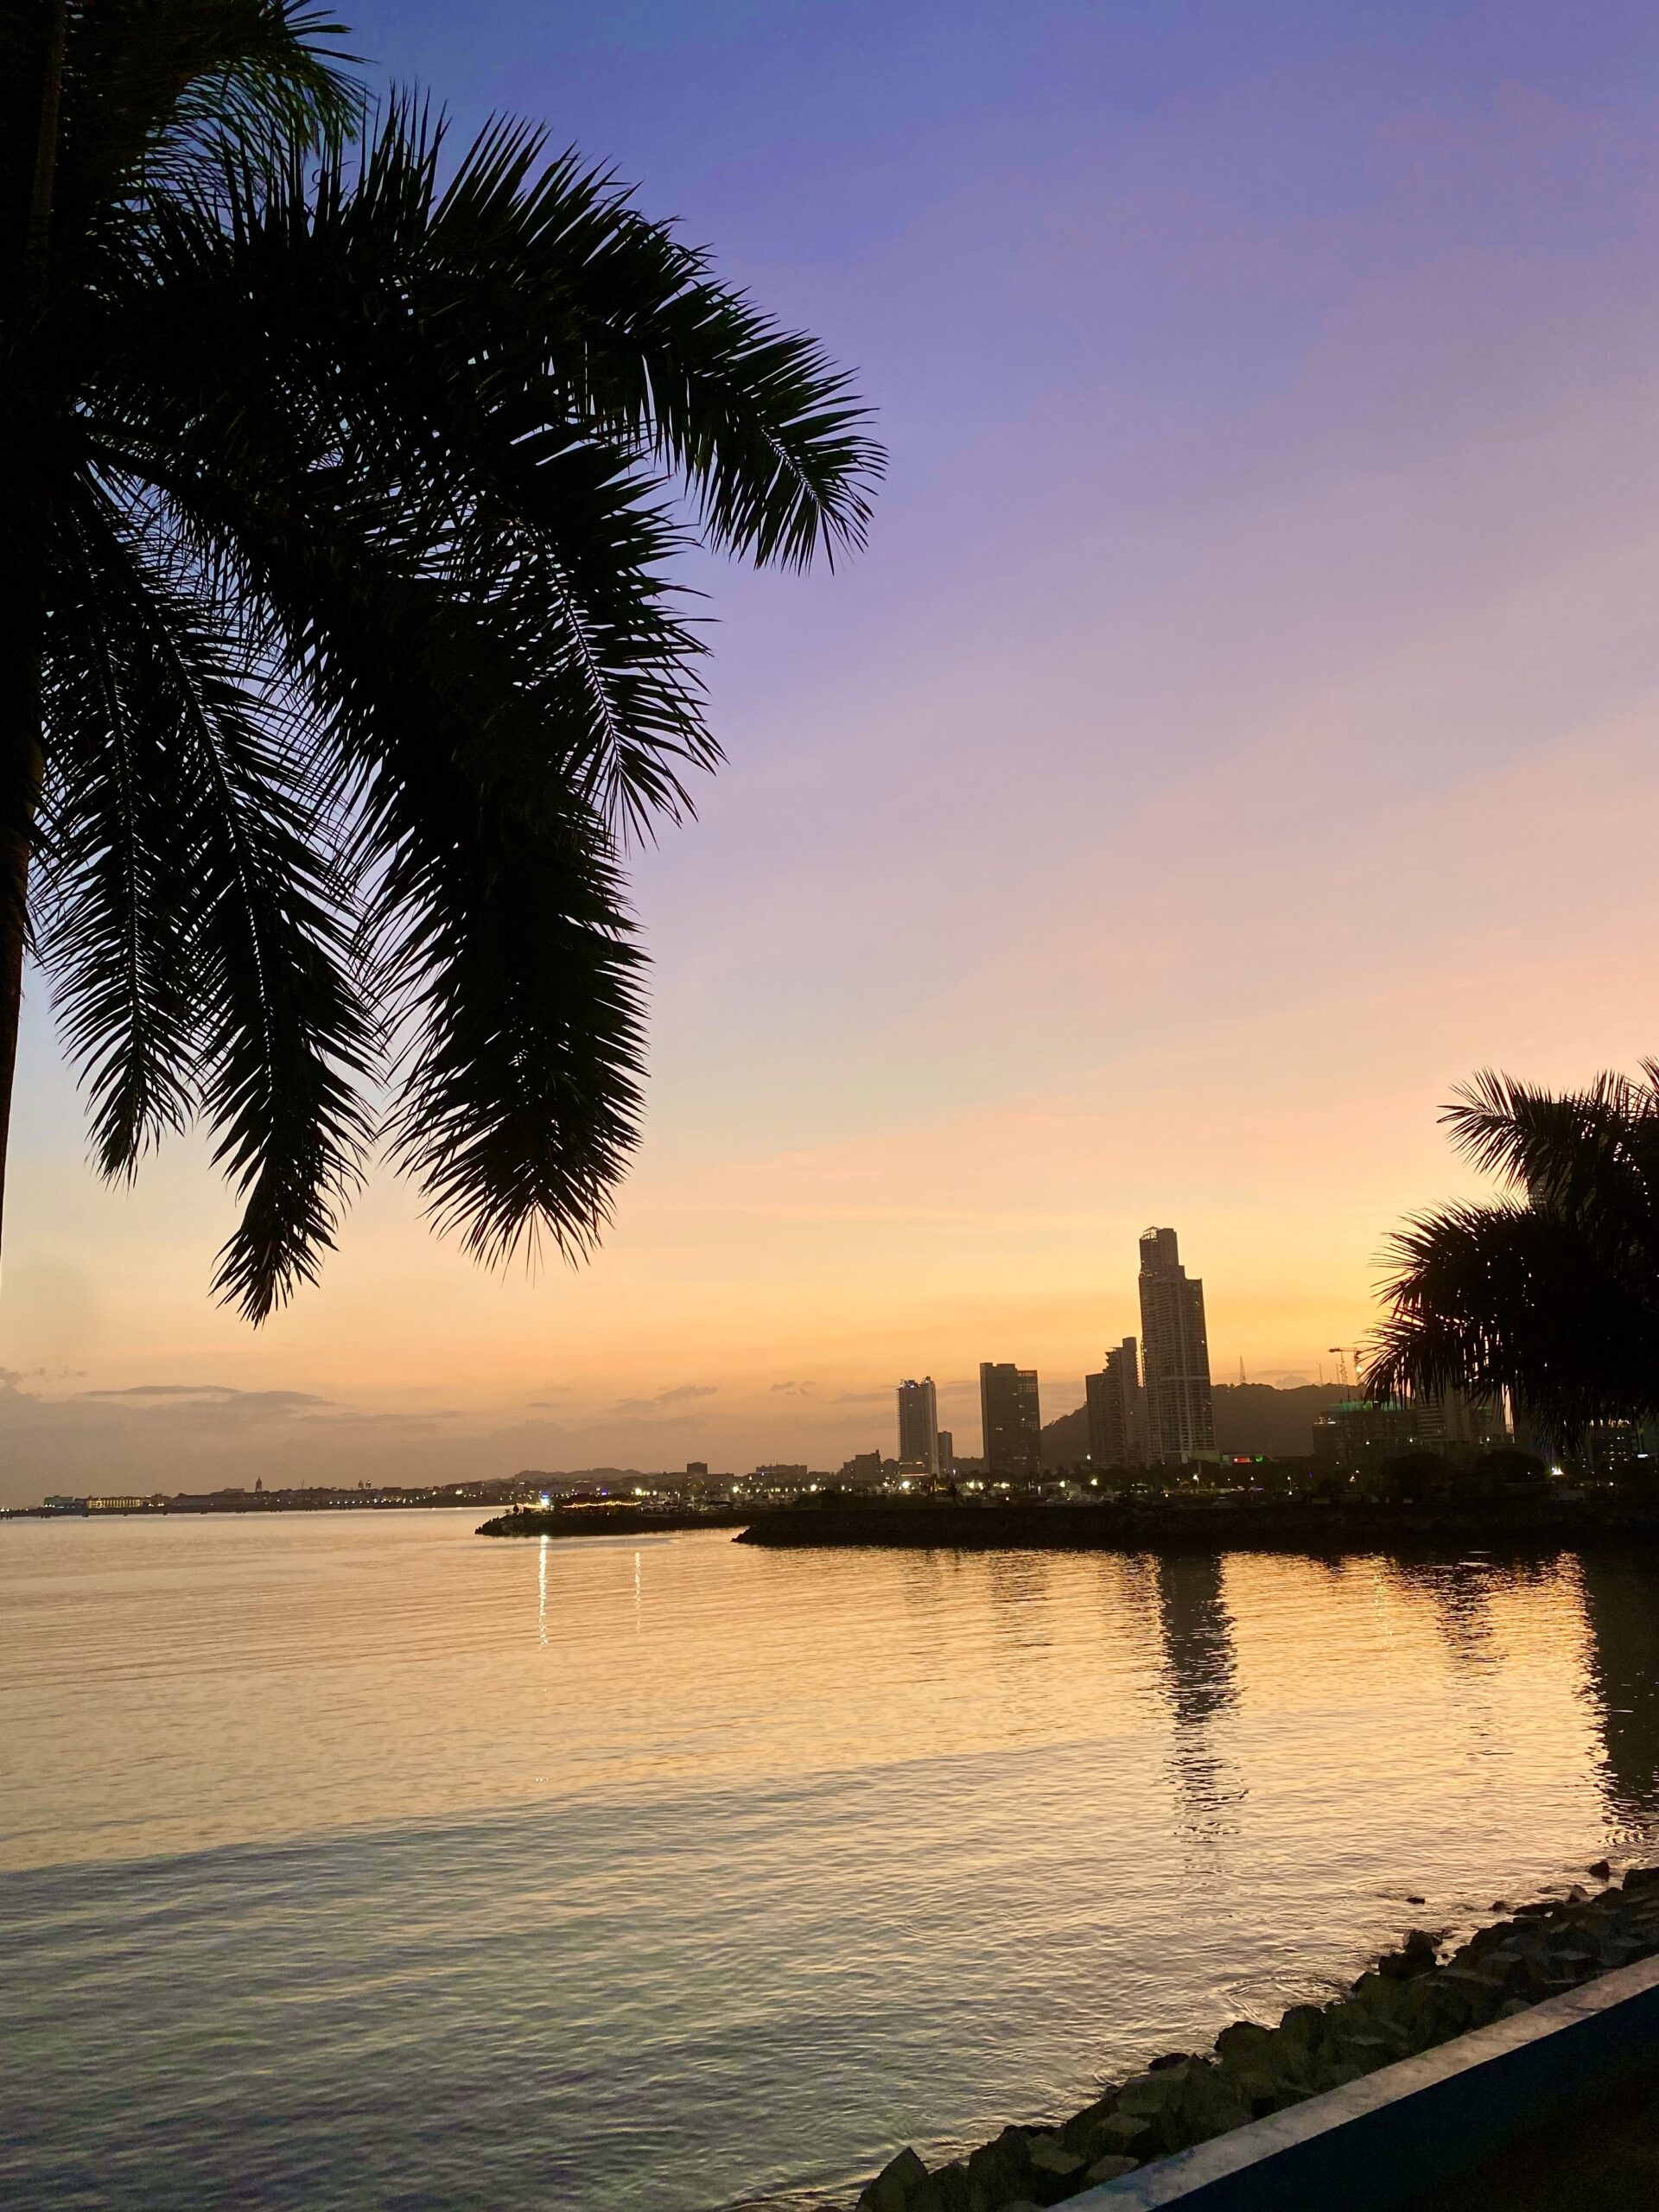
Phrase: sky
{"type": "Point", "coordinates": [1238, 731]}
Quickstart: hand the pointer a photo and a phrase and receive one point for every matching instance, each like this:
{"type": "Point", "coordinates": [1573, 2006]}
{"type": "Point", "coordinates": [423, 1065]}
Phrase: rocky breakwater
{"type": "Point", "coordinates": [606, 1520]}
{"type": "Point", "coordinates": [1526, 1527]}
{"type": "Point", "coordinates": [1412, 1999]}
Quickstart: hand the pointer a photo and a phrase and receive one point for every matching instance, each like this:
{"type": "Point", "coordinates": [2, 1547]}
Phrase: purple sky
{"type": "Point", "coordinates": [1240, 729]}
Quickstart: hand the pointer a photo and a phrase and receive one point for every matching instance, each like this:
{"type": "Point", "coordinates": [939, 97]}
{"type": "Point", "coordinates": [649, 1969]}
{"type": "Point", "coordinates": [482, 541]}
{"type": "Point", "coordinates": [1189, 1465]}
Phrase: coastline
{"type": "Point", "coordinates": [605, 1521]}
{"type": "Point", "coordinates": [1412, 2000]}
{"type": "Point", "coordinates": [1525, 1526]}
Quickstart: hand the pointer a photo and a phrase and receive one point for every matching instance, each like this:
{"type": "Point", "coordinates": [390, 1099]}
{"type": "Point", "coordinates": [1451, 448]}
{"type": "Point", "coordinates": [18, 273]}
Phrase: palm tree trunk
{"type": "Point", "coordinates": [22, 594]}
{"type": "Point", "coordinates": [22, 574]}
{"type": "Point", "coordinates": [14, 906]}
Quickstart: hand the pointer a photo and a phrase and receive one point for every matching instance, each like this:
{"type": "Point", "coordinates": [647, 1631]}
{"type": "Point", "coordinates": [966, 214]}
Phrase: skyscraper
{"type": "Point", "coordinates": [1180, 1416]}
{"type": "Point", "coordinates": [919, 1425]}
{"type": "Point", "coordinates": [1010, 1420]}
{"type": "Point", "coordinates": [1117, 1419]}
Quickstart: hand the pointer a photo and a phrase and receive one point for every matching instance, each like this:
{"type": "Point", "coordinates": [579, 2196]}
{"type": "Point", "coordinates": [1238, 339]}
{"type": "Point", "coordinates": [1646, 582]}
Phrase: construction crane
{"type": "Point", "coordinates": [1342, 1352]}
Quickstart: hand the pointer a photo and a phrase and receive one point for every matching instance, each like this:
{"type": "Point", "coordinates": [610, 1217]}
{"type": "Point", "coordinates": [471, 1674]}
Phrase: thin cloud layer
{"type": "Point", "coordinates": [682, 1394]}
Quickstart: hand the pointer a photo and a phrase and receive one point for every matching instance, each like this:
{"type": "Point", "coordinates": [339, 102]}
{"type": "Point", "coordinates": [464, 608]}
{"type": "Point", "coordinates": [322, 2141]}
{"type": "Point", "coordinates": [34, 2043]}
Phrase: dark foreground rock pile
{"type": "Point", "coordinates": [1408, 2002]}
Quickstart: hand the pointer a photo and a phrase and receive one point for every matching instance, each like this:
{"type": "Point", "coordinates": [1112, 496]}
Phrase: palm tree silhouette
{"type": "Point", "coordinates": [341, 654]}
{"type": "Point", "coordinates": [1553, 1293]}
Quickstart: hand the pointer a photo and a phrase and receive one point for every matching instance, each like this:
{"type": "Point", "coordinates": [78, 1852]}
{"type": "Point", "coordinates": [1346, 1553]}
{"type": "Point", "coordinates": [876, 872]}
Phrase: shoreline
{"type": "Point", "coordinates": [606, 1520]}
{"type": "Point", "coordinates": [1411, 2000]}
{"type": "Point", "coordinates": [1523, 1526]}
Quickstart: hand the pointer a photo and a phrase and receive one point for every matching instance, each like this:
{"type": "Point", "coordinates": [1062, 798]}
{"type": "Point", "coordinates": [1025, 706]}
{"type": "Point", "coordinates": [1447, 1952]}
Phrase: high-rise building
{"type": "Point", "coordinates": [1010, 1420]}
{"type": "Point", "coordinates": [1180, 1416]}
{"type": "Point", "coordinates": [919, 1425]}
{"type": "Point", "coordinates": [947, 1452]}
{"type": "Point", "coordinates": [1452, 1417]}
{"type": "Point", "coordinates": [1116, 1416]}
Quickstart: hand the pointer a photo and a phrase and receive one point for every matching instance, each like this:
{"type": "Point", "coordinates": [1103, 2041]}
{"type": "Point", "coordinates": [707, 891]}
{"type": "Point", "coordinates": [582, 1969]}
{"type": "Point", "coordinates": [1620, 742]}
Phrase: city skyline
{"type": "Point", "coordinates": [1150, 1405]}
{"type": "Point", "coordinates": [1257, 617]}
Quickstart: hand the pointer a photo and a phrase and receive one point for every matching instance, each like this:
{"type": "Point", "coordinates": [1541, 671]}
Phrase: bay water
{"type": "Point", "coordinates": [352, 1860]}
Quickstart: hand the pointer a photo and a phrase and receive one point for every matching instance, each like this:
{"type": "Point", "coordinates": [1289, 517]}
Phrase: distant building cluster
{"type": "Point", "coordinates": [1356, 1437]}
{"type": "Point", "coordinates": [307, 1498]}
{"type": "Point", "coordinates": [1150, 1406]}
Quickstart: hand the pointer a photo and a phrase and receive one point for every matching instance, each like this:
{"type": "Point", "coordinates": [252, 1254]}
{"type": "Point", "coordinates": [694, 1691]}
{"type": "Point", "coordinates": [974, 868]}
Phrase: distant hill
{"type": "Point", "coordinates": [1249, 1417]}
{"type": "Point", "coordinates": [1256, 1417]}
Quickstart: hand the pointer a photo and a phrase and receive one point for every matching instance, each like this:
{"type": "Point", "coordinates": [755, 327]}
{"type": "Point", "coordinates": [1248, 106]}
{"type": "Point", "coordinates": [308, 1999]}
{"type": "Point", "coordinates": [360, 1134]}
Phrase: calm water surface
{"type": "Point", "coordinates": [362, 1863]}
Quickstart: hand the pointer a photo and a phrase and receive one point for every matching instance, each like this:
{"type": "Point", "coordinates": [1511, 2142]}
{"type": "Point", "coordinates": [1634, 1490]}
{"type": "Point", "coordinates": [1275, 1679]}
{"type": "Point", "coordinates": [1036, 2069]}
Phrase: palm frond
{"type": "Point", "coordinates": [520, 1106]}
{"type": "Point", "coordinates": [766, 431]}
{"type": "Point", "coordinates": [364, 644]}
{"type": "Point", "coordinates": [1491, 1299]}
{"type": "Point", "coordinates": [159, 93]}
{"type": "Point", "coordinates": [1582, 1154]}
{"type": "Point", "coordinates": [489, 892]}
{"type": "Point", "coordinates": [115, 862]}
{"type": "Point", "coordinates": [446, 469]}
{"type": "Point", "coordinates": [280, 1036]}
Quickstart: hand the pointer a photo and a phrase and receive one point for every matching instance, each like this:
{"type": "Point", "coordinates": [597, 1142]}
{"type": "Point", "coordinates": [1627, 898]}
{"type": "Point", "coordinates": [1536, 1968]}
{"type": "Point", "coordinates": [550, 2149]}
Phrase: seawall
{"type": "Point", "coordinates": [1523, 1526]}
{"type": "Point", "coordinates": [603, 1521]}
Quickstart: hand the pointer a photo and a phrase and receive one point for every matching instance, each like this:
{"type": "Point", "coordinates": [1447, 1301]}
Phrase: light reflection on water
{"type": "Point", "coordinates": [363, 1862]}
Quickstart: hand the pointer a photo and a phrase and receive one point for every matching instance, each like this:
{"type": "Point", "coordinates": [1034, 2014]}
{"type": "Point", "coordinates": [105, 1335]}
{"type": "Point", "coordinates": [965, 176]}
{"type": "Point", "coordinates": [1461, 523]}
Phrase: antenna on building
{"type": "Point", "coordinates": [1241, 1370]}
{"type": "Point", "coordinates": [1342, 1366]}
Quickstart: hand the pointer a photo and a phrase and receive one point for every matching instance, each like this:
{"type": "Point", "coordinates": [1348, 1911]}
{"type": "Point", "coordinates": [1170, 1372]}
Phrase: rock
{"type": "Point", "coordinates": [1414, 1956]}
{"type": "Point", "coordinates": [1381, 1996]}
{"type": "Point", "coordinates": [1368, 2046]}
{"type": "Point", "coordinates": [999, 2171]}
{"type": "Point", "coordinates": [1600, 1870]}
{"type": "Point", "coordinates": [1144, 2096]}
{"type": "Point", "coordinates": [1170, 2058]}
{"type": "Point", "coordinates": [1119, 2134]}
{"type": "Point", "coordinates": [1243, 2039]}
{"type": "Point", "coordinates": [947, 2190]}
{"type": "Point", "coordinates": [1613, 1949]}
{"type": "Point", "coordinates": [1056, 2172]}
{"type": "Point", "coordinates": [1497, 1904]}
{"type": "Point", "coordinates": [1110, 2167]}
{"type": "Point", "coordinates": [1297, 2034]}
{"type": "Point", "coordinates": [1426, 2017]}
{"type": "Point", "coordinates": [1335, 2074]}
{"type": "Point", "coordinates": [1479, 1993]}
{"type": "Point", "coordinates": [1157, 2099]}
{"type": "Point", "coordinates": [898, 2182]}
{"type": "Point", "coordinates": [1212, 2104]}
{"type": "Point", "coordinates": [1079, 2132]}
{"type": "Point", "coordinates": [1416, 1900]}
{"type": "Point", "coordinates": [1640, 1878]}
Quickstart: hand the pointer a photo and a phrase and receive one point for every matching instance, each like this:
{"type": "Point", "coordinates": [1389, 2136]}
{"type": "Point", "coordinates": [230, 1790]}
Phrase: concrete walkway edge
{"type": "Point", "coordinates": [1374, 2143]}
